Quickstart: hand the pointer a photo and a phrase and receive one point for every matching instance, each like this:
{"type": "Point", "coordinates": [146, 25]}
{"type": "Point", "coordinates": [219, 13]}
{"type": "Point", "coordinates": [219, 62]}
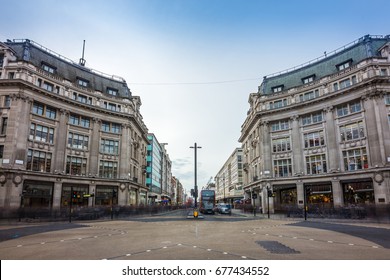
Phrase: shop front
{"type": "Point", "coordinates": [358, 192]}
{"type": "Point", "coordinates": [74, 193]}
{"type": "Point", "coordinates": [319, 194]}
{"type": "Point", "coordinates": [37, 194]}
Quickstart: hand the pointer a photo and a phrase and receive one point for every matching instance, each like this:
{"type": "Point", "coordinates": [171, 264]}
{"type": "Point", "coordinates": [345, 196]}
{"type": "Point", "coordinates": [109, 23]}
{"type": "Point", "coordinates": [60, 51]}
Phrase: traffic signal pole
{"type": "Point", "coordinates": [70, 204]}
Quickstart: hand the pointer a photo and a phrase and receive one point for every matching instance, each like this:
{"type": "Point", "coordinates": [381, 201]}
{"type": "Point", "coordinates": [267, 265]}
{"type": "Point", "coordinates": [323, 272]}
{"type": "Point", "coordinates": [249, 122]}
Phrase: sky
{"type": "Point", "coordinates": [193, 62]}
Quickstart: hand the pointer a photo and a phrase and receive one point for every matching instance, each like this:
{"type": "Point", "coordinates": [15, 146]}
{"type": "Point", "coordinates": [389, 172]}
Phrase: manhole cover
{"type": "Point", "coordinates": [276, 247]}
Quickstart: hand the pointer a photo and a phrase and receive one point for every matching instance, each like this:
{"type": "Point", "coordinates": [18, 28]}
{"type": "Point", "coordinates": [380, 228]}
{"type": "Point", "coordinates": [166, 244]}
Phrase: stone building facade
{"type": "Point", "coordinates": [320, 133]}
{"type": "Point", "coordinates": [68, 133]}
{"type": "Point", "coordinates": [229, 179]}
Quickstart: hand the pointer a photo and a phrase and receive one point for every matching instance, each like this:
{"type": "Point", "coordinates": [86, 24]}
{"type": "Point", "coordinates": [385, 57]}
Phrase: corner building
{"type": "Point", "coordinates": [66, 128]}
{"type": "Point", "coordinates": [319, 134]}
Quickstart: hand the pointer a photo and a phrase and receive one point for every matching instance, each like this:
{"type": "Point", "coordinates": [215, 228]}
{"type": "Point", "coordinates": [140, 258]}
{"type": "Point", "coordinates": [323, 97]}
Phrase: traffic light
{"type": "Point", "coordinates": [74, 195]}
{"type": "Point", "coordinates": [114, 193]}
{"type": "Point", "coordinates": [270, 193]}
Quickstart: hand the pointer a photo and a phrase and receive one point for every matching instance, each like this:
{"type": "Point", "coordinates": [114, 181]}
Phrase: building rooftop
{"type": "Point", "coordinates": [328, 64]}
{"type": "Point", "coordinates": [34, 53]}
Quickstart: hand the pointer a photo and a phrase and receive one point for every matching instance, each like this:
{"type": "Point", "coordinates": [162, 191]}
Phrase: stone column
{"type": "Point", "coordinates": [300, 194]}
{"type": "Point", "coordinates": [94, 154]}
{"type": "Point", "coordinates": [57, 194]}
{"type": "Point", "coordinates": [337, 190]}
{"type": "Point", "coordinates": [383, 127]}
{"type": "Point", "coordinates": [124, 158]}
{"type": "Point", "coordinates": [372, 133]}
{"type": "Point", "coordinates": [61, 142]}
{"type": "Point", "coordinates": [296, 146]}
{"type": "Point", "coordinates": [17, 131]}
{"type": "Point", "coordinates": [266, 148]}
{"type": "Point", "coordinates": [331, 141]}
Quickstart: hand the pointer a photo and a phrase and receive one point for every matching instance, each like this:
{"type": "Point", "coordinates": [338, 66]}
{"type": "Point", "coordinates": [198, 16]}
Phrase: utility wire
{"type": "Point", "coordinates": [193, 83]}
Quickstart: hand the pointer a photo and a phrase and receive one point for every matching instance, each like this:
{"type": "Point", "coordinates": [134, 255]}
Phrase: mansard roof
{"type": "Point", "coordinates": [363, 48]}
{"type": "Point", "coordinates": [27, 50]}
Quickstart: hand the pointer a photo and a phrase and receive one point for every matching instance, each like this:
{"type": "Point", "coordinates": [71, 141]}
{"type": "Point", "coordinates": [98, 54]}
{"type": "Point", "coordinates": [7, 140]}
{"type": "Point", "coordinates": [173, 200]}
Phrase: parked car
{"type": "Point", "coordinates": [224, 208]}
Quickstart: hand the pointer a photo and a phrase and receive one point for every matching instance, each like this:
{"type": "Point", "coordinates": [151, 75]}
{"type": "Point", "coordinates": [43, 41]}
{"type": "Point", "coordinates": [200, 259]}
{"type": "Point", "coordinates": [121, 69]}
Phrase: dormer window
{"type": "Point", "coordinates": [344, 65]}
{"type": "Point", "coordinates": [48, 68]}
{"type": "Point", "coordinates": [308, 79]}
{"type": "Point", "coordinates": [112, 91]}
{"type": "Point", "coordinates": [82, 82]}
{"type": "Point", "coordinates": [277, 88]}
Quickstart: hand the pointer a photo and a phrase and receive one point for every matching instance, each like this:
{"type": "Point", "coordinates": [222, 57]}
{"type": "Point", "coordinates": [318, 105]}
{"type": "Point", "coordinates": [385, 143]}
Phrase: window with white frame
{"type": "Point", "coordinates": [41, 133]}
{"type": "Point", "coordinates": [111, 127]}
{"type": "Point", "coordinates": [38, 161]}
{"type": "Point", "coordinates": [355, 159]}
{"type": "Point", "coordinates": [112, 91]}
{"type": "Point", "coordinates": [308, 79]}
{"type": "Point", "coordinates": [109, 146]}
{"type": "Point", "coordinates": [312, 118]}
{"type": "Point", "coordinates": [282, 168]}
{"type": "Point", "coordinates": [108, 169]}
{"type": "Point", "coordinates": [44, 110]}
{"type": "Point", "coordinates": [82, 98]}
{"type": "Point", "coordinates": [281, 144]}
{"type": "Point", "coordinates": [349, 108]}
{"type": "Point", "coordinates": [316, 164]}
{"type": "Point", "coordinates": [314, 139]}
{"type": "Point", "coordinates": [278, 104]}
{"type": "Point", "coordinates": [78, 141]}
{"type": "Point", "coordinates": [79, 120]}
{"type": "Point", "coordinates": [277, 89]}
{"type": "Point", "coordinates": [344, 65]}
{"type": "Point", "coordinates": [309, 95]}
{"type": "Point", "coordinates": [76, 165]}
{"type": "Point", "coordinates": [82, 82]}
{"type": "Point", "coordinates": [280, 125]}
{"type": "Point", "coordinates": [352, 131]}
{"type": "Point", "coordinates": [48, 68]}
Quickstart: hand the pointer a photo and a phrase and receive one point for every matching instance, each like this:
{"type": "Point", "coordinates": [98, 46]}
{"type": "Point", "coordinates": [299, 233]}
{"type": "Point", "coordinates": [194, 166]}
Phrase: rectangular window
{"type": "Point", "coordinates": [77, 141]}
{"type": "Point", "coordinates": [108, 169]}
{"type": "Point", "coordinates": [4, 124]}
{"type": "Point", "coordinates": [281, 145]}
{"type": "Point", "coordinates": [387, 99]}
{"type": "Point", "coordinates": [309, 95]}
{"type": "Point", "coordinates": [316, 164]}
{"type": "Point", "coordinates": [111, 127]}
{"type": "Point", "coordinates": [82, 98]}
{"type": "Point", "coordinates": [109, 146]}
{"type": "Point", "coordinates": [352, 131]}
{"type": "Point", "coordinates": [344, 65]}
{"type": "Point", "coordinates": [51, 112]}
{"type": "Point", "coordinates": [278, 104]}
{"type": "Point", "coordinates": [308, 79]}
{"type": "Point", "coordinates": [38, 161]}
{"type": "Point", "coordinates": [41, 133]}
{"type": "Point", "coordinates": [355, 159]}
{"type": "Point", "coordinates": [79, 120]}
{"type": "Point", "coordinates": [312, 118]}
{"type": "Point", "coordinates": [314, 139]}
{"type": "Point", "coordinates": [349, 108]}
{"type": "Point", "coordinates": [76, 166]}
{"type": "Point", "coordinates": [48, 86]}
{"type": "Point", "coordinates": [280, 125]}
{"type": "Point", "coordinates": [82, 82]}
{"type": "Point", "coordinates": [112, 91]}
{"type": "Point", "coordinates": [277, 88]}
{"type": "Point", "coordinates": [48, 68]}
{"type": "Point", "coordinates": [282, 168]}
{"type": "Point", "coordinates": [7, 101]}
{"type": "Point", "coordinates": [44, 110]}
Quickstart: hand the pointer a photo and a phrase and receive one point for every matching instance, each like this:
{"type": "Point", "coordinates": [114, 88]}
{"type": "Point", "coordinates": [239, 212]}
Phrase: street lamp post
{"type": "Point", "coordinates": [195, 147]}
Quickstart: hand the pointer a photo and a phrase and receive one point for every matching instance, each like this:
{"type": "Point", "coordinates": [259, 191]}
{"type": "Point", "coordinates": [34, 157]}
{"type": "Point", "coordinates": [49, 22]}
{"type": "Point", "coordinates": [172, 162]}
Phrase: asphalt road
{"type": "Point", "coordinates": [217, 237]}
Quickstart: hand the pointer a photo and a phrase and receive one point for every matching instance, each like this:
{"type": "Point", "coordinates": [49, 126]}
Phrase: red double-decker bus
{"type": "Point", "coordinates": [207, 201]}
